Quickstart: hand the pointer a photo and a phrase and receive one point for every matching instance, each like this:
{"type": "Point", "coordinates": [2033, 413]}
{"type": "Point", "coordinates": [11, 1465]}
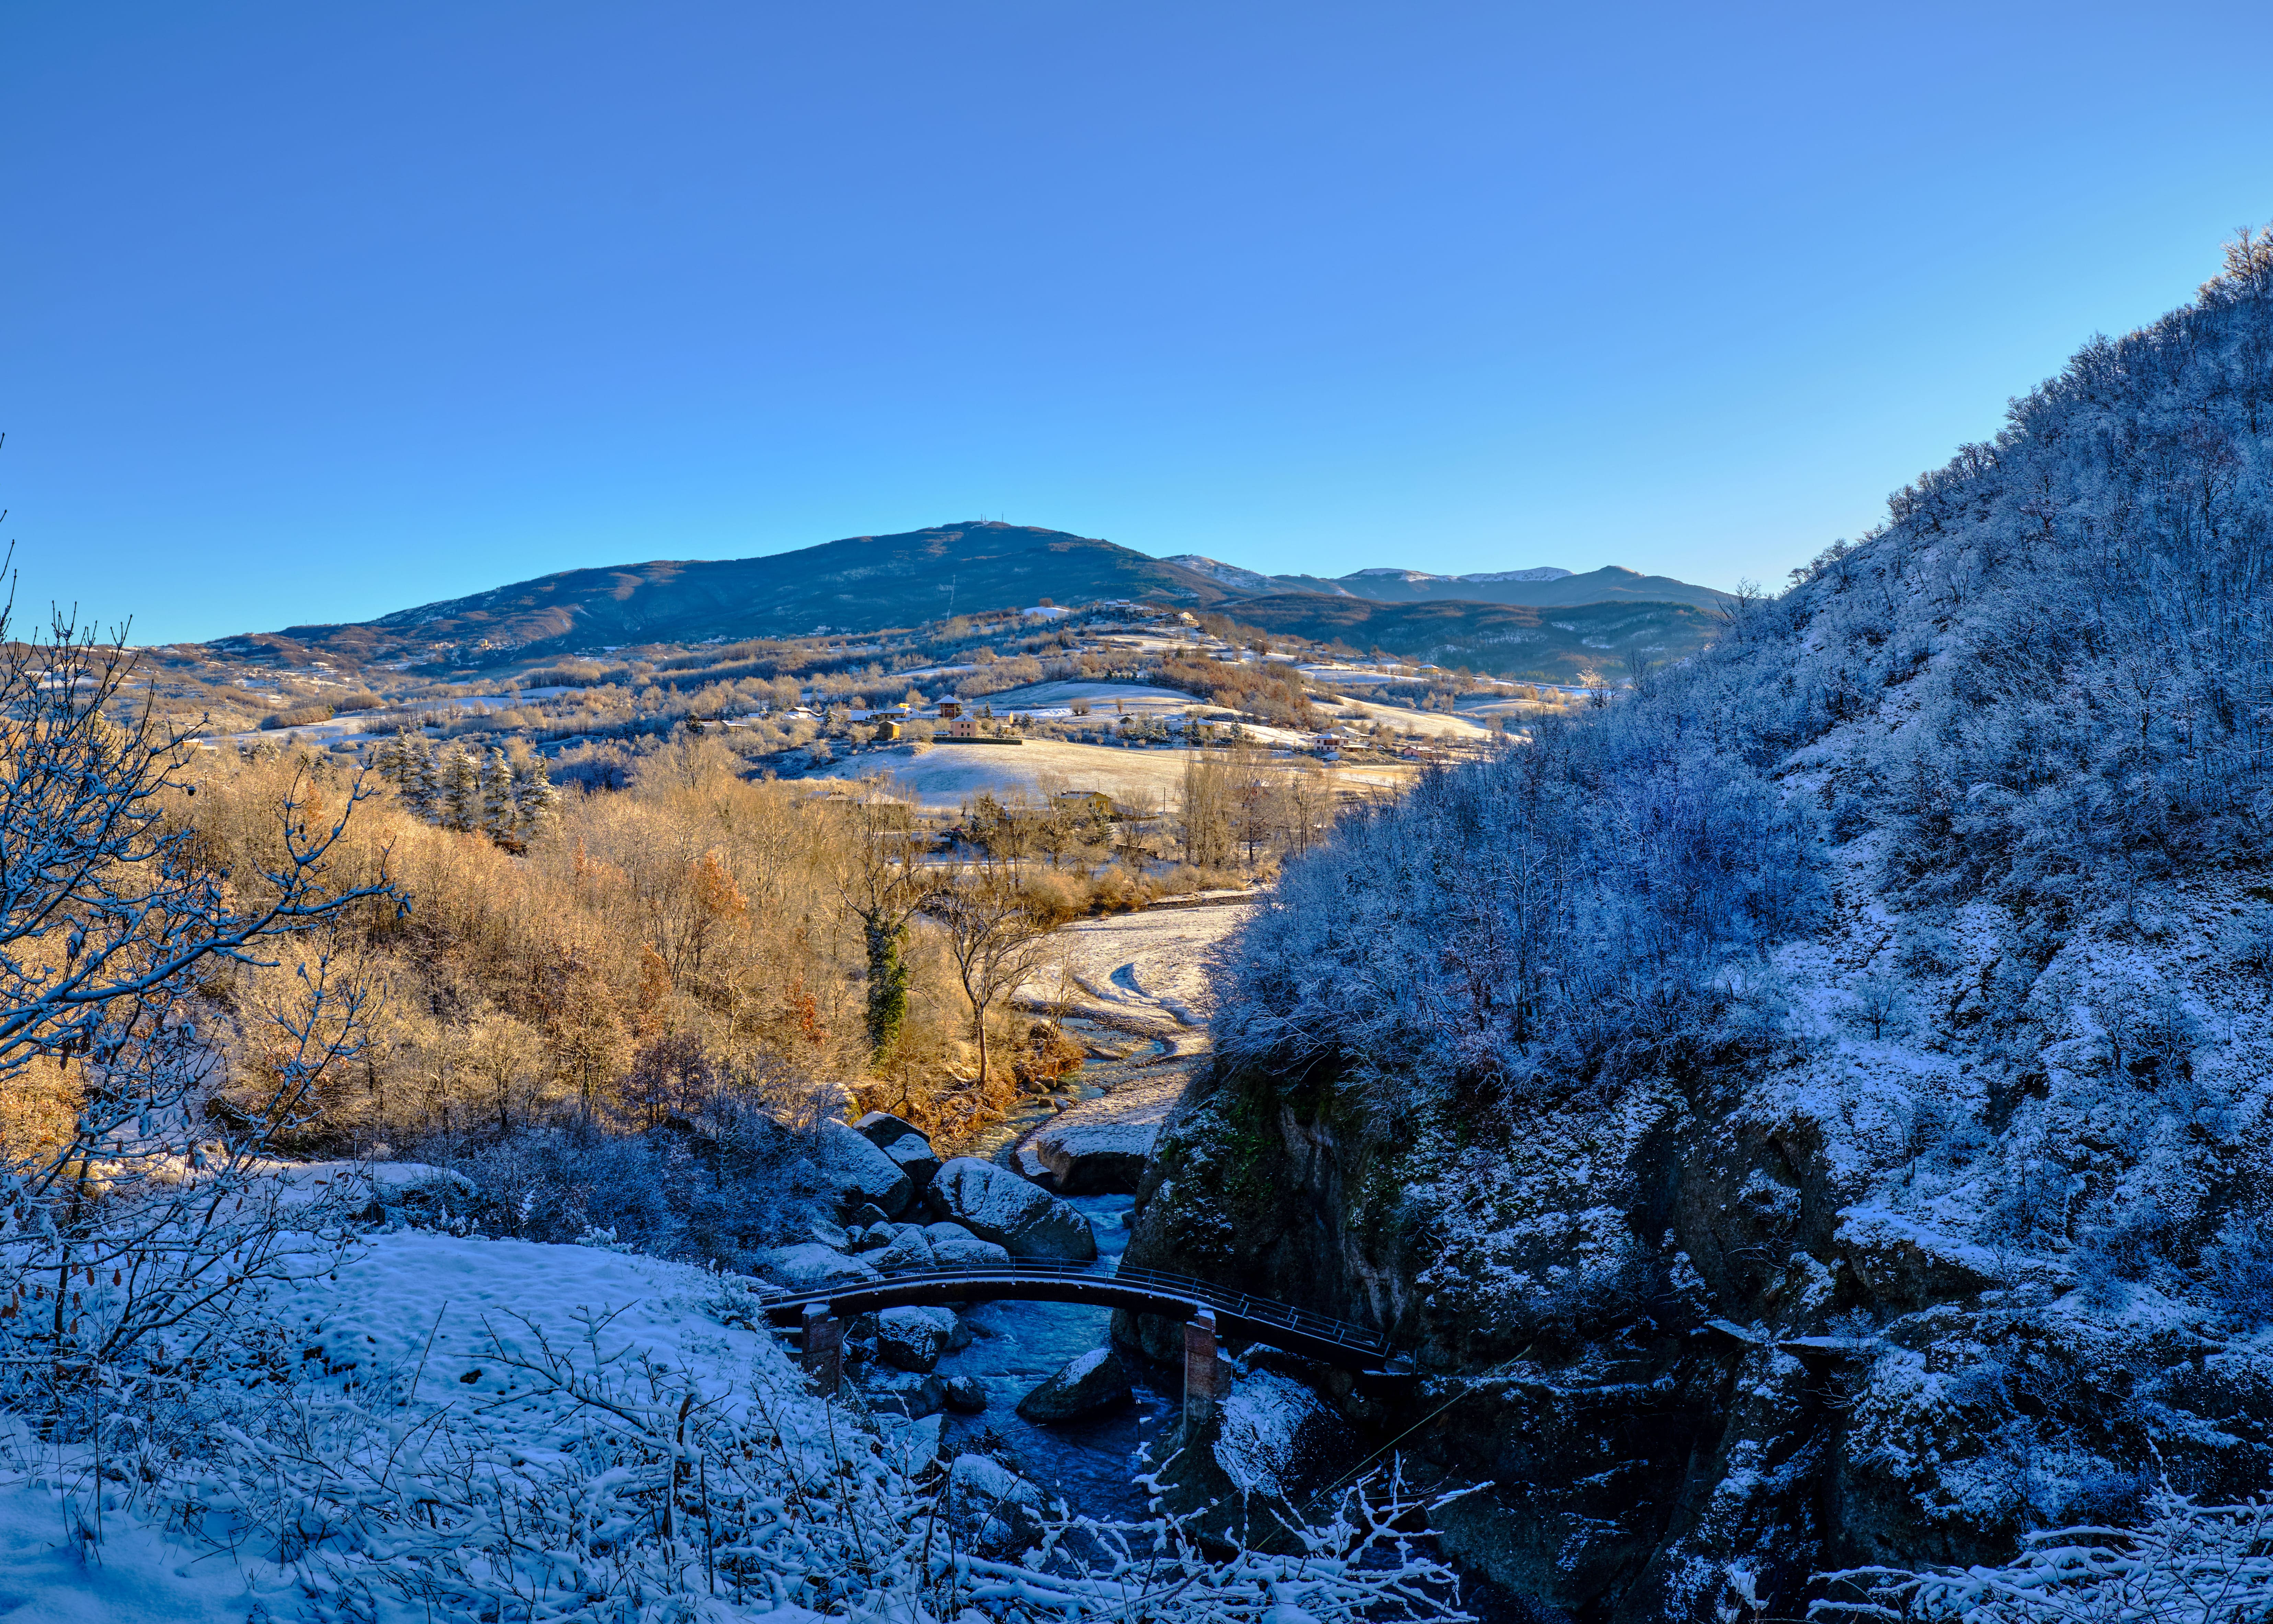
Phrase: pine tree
{"type": "Point", "coordinates": [461, 793]}
{"type": "Point", "coordinates": [385, 760]}
{"type": "Point", "coordinates": [424, 777]}
{"type": "Point", "coordinates": [498, 820]}
{"type": "Point", "coordinates": [536, 804]}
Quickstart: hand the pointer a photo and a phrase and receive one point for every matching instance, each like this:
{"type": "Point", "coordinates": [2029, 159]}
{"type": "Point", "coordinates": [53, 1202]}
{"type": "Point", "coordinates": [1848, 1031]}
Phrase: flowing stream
{"type": "Point", "coordinates": [1132, 989]}
{"type": "Point", "coordinates": [1016, 1346]}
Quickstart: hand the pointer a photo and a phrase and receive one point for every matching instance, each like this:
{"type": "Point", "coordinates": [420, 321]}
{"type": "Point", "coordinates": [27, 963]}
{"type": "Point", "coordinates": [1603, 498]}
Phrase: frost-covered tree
{"type": "Point", "coordinates": [132, 1212]}
{"type": "Point", "coordinates": [498, 820]}
{"type": "Point", "coordinates": [535, 803]}
{"type": "Point", "coordinates": [460, 802]}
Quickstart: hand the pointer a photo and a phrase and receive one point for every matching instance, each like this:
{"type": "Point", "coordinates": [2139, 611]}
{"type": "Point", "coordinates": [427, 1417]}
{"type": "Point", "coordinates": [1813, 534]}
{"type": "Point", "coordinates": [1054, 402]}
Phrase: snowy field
{"type": "Point", "coordinates": [1145, 971]}
{"type": "Point", "coordinates": [1137, 699]}
{"type": "Point", "coordinates": [1436, 722]}
{"type": "Point", "coordinates": [423, 1343]}
{"type": "Point", "coordinates": [940, 776]}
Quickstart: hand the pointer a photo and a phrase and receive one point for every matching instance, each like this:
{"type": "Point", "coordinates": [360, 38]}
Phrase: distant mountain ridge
{"type": "Point", "coordinates": [865, 584]}
{"type": "Point", "coordinates": [1545, 587]}
{"type": "Point", "coordinates": [860, 583]}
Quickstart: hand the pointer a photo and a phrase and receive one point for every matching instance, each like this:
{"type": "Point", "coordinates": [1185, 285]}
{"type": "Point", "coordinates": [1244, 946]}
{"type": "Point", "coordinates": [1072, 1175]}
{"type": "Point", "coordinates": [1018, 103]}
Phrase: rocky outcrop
{"type": "Point", "coordinates": [1678, 1345]}
{"type": "Point", "coordinates": [996, 1205]}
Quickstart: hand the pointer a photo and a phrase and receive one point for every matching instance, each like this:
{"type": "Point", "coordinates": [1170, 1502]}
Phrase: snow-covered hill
{"type": "Point", "coordinates": [1816, 1112]}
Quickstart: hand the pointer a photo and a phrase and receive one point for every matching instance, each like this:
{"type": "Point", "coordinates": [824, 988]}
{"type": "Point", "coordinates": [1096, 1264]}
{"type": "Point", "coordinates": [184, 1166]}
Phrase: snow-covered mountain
{"type": "Point", "coordinates": [1545, 573]}
{"type": "Point", "coordinates": [1229, 574]}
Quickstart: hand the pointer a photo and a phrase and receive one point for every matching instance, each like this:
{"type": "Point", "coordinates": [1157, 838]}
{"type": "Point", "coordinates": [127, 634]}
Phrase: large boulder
{"type": "Point", "coordinates": [903, 1142]}
{"type": "Point", "coordinates": [882, 1129]}
{"type": "Point", "coordinates": [1095, 1381]}
{"type": "Point", "coordinates": [909, 1250]}
{"type": "Point", "coordinates": [1096, 1158]}
{"type": "Point", "coordinates": [953, 1246]}
{"type": "Point", "coordinates": [913, 1338]}
{"type": "Point", "coordinates": [968, 1251]}
{"type": "Point", "coordinates": [1100, 1146]}
{"type": "Point", "coordinates": [998, 1511]}
{"type": "Point", "coordinates": [915, 1159]}
{"type": "Point", "coordinates": [859, 1173]}
{"type": "Point", "coordinates": [812, 1264]}
{"type": "Point", "coordinates": [996, 1205]}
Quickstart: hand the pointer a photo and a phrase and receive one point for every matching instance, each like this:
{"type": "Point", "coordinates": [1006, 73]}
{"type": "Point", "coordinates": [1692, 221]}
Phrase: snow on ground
{"type": "Point", "coordinates": [1437, 721]}
{"type": "Point", "coordinates": [940, 776]}
{"type": "Point", "coordinates": [1138, 699]}
{"type": "Point", "coordinates": [1324, 674]}
{"type": "Point", "coordinates": [408, 1326]}
{"type": "Point", "coordinates": [1145, 971]}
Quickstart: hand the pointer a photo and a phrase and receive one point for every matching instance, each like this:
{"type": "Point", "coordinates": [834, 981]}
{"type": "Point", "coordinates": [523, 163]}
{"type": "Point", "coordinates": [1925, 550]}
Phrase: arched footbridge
{"type": "Point", "coordinates": [1207, 1311]}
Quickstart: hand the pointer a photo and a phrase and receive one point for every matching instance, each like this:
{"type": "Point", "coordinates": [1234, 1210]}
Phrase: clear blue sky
{"type": "Point", "coordinates": [312, 311]}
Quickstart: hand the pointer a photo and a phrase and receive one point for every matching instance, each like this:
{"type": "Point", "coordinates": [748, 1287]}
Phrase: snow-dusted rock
{"type": "Point", "coordinates": [967, 1251]}
{"type": "Point", "coordinates": [882, 1129]}
{"type": "Point", "coordinates": [913, 1338]}
{"type": "Point", "coordinates": [1274, 1432]}
{"type": "Point", "coordinates": [1907, 1264]}
{"type": "Point", "coordinates": [996, 1205]}
{"type": "Point", "coordinates": [909, 1250]}
{"type": "Point", "coordinates": [857, 1173]}
{"type": "Point", "coordinates": [915, 1157]}
{"type": "Point", "coordinates": [917, 1441]}
{"type": "Point", "coordinates": [998, 1508]}
{"type": "Point", "coordinates": [1096, 1380]}
{"type": "Point", "coordinates": [812, 1264]}
{"type": "Point", "coordinates": [966, 1395]}
{"type": "Point", "coordinates": [1096, 1158]}
{"type": "Point", "coordinates": [913, 1394]}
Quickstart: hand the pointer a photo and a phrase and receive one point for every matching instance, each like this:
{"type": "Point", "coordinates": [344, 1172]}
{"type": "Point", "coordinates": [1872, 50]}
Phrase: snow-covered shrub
{"type": "Point", "coordinates": [2237, 1267]}
{"type": "Point", "coordinates": [2185, 1564]}
{"type": "Point", "coordinates": [714, 1187]}
{"type": "Point", "coordinates": [1565, 911]}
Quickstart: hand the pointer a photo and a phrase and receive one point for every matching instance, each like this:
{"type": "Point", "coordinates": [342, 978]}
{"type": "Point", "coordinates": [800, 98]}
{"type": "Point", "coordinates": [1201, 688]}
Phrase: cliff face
{"type": "Point", "coordinates": [1771, 1379]}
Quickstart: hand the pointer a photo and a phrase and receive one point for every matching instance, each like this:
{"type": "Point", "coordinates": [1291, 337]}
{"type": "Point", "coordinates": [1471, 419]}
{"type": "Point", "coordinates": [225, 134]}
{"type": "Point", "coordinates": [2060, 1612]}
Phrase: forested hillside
{"type": "Point", "coordinates": [861, 583]}
{"type": "Point", "coordinates": [1814, 1112]}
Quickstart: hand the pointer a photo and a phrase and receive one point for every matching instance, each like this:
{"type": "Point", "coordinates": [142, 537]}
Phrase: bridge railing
{"type": "Point", "coordinates": [1238, 1305]}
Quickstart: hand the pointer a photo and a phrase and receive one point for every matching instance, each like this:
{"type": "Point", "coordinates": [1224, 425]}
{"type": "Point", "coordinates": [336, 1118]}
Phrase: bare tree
{"type": "Point", "coordinates": [994, 937]}
{"type": "Point", "coordinates": [137, 1209]}
{"type": "Point", "coordinates": [1207, 809]}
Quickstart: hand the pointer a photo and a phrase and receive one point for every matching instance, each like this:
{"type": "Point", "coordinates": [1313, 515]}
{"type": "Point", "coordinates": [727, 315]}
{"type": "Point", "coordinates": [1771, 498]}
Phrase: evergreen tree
{"type": "Point", "coordinates": [498, 820]}
{"type": "Point", "coordinates": [536, 804]}
{"type": "Point", "coordinates": [462, 792]}
{"type": "Point", "coordinates": [424, 775]}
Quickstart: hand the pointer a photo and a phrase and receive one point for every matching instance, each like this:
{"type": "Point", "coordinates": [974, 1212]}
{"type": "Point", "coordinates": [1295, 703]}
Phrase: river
{"type": "Point", "coordinates": [1132, 988]}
